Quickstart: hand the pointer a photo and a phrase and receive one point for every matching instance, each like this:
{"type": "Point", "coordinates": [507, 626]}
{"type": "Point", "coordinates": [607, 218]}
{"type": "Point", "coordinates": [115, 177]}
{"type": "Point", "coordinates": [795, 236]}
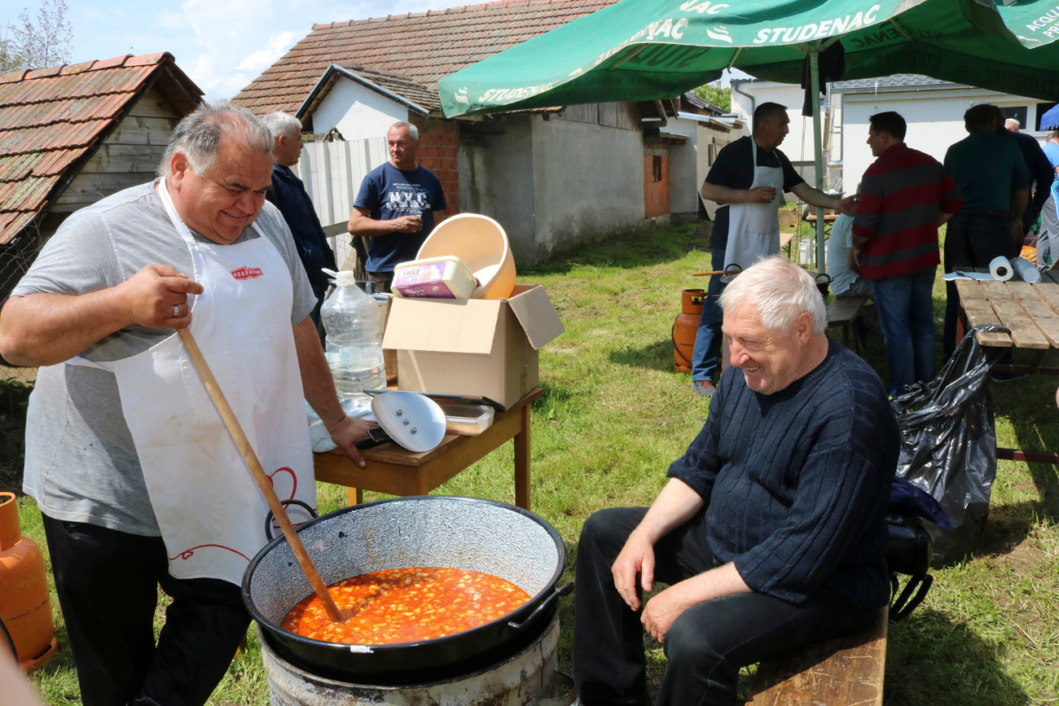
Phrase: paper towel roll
{"type": "Point", "coordinates": [1001, 269]}
{"type": "Point", "coordinates": [1026, 270]}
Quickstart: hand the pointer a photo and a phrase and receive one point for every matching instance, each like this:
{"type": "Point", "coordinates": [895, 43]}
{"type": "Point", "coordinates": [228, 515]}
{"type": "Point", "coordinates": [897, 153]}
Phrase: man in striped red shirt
{"type": "Point", "coordinates": [905, 196]}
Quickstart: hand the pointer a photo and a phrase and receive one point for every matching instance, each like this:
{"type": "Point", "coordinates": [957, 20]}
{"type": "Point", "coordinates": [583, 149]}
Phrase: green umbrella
{"type": "Point", "coordinates": [639, 50]}
{"type": "Point", "coordinates": [646, 49]}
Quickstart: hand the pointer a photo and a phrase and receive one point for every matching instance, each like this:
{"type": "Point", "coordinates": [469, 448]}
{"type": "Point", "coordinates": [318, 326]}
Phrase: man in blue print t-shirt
{"type": "Point", "coordinates": [395, 207]}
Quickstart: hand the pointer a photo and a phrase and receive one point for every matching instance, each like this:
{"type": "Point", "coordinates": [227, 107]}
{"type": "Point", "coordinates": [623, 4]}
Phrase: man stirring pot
{"type": "Point", "coordinates": [138, 481]}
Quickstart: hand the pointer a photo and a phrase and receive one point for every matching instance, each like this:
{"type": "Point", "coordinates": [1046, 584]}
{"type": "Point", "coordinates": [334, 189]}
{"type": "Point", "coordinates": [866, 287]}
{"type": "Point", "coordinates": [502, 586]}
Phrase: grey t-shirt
{"type": "Point", "coordinates": [81, 463]}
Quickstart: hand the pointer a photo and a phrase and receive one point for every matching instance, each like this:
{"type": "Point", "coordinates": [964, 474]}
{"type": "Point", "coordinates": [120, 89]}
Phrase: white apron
{"type": "Point", "coordinates": [210, 512]}
{"type": "Point", "coordinates": [754, 228]}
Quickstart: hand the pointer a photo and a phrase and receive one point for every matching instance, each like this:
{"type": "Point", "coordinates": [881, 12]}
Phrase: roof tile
{"type": "Point", "coordinates": [418, 47]}
{"type": "Point", "coordinates": [50, 119]}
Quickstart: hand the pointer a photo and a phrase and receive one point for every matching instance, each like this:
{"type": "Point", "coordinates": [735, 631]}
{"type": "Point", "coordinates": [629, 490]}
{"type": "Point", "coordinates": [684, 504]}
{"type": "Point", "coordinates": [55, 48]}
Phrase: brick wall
{"type": "Point", "coordinates": [438, 145]}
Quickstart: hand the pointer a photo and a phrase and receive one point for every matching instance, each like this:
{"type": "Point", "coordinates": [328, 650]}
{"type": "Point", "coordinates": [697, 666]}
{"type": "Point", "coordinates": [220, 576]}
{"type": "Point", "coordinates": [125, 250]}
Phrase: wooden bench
{"type": "Point", "coordinates": [839, 672]}
{"type": "Point", "coordinates": [843, 311]}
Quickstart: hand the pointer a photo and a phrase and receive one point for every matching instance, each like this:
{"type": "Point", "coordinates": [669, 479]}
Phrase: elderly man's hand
{"type": "Point", "coordinates": [157, 297]}
{"type": "Point", "coordinates": [854, 260]}
{"type": "Point", "coordinates": [636, 557]}
{"type": "Point", "coordinates": [663, 609]}
{"type": "Point", "coordinates": [848, 205]}
{"type": "Point", "coordinates": [347, 432]}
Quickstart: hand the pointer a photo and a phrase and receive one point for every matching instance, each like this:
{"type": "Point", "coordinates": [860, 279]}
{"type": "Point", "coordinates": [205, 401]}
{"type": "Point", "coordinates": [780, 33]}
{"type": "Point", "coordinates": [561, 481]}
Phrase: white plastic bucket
{"type": "Point", "coordinates": [482, 245]}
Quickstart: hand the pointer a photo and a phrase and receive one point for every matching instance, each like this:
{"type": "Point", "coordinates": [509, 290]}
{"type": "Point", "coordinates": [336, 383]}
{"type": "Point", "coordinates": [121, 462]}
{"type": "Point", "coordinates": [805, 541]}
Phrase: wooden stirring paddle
{"type": "Point", "coordinates": [258, 472]}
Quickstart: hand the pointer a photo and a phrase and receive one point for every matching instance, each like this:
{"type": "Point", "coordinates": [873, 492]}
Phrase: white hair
{"type": "Point", "coordinates": [280, 123]}
{"type": "Point", "coordinates": [199, 135]}
{"type": "Point", "coordinates": [780, 292]}
{"type": "Point", "coordinates": [413, 131]}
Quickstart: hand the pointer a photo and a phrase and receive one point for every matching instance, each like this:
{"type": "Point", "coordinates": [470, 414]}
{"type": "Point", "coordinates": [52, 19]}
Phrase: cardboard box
{"type": "Point", "coordinates": [472, 347]}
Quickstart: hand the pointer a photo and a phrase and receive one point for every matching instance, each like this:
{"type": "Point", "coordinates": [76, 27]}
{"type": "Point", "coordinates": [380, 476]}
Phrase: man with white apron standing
{"type": "Point", "coordinates": [137, 479]}
{"type": "Point", "coordinates": [748, 180]}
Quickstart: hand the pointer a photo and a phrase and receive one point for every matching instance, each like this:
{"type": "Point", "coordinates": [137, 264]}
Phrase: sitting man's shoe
{"type": "Point", "coordinates": [1006, 377]}
{"type": "Point", "coordinates": [703, 388]}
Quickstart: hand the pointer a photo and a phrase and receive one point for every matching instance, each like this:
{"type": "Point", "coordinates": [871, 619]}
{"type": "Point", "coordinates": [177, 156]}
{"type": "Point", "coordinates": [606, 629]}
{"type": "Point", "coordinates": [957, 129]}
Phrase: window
{"type": "Point", "coordinates": [1042, 108]}
{"type": "Point", "coordinates": [1018, 112]}
{"type": "Point", "coordinates": [656, 168]}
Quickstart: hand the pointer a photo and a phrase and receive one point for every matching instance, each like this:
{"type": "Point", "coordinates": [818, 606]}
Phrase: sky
{"type": "Point", "coordinates": [222, 45]}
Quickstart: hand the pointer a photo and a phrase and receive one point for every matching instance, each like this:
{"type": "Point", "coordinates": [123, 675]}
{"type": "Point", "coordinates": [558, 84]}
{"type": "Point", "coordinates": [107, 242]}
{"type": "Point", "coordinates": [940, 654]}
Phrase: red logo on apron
{"type": "Point", "coordinates": [247, 272]}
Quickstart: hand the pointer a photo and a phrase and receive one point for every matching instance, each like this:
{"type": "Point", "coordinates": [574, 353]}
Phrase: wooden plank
{"type": "Point", "coordinates": [995, 290]}
{"type": "Point", "coordinates": [1024, 333]}
{"type": "Point", "coordinates": [1043, 316]}
{"type": "Point", "coordinates": [977, 311]}
{"type": "Point", "coordinates": [839, 672]}
{"type": "Point", "coordinates": [969, 289]}
{"type": "Point", "coordinates": [1049, 292]}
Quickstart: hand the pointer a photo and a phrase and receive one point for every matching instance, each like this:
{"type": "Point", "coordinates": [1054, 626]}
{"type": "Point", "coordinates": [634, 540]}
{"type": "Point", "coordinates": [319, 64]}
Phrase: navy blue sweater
{"type": "Point", "coordinates": [797, 483]}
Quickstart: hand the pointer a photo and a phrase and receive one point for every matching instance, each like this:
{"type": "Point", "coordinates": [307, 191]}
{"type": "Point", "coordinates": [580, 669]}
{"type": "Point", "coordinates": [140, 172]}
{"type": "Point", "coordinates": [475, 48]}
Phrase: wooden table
{"type": "Point", "coordinates": [1031, 313]}
{"type": "Point", "coordinates": [394, 470]}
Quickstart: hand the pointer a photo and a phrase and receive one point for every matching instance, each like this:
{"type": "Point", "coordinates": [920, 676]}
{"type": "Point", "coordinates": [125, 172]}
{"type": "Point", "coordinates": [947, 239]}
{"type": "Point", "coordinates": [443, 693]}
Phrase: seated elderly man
{"type": "Point", "coordinates": [770, 533]}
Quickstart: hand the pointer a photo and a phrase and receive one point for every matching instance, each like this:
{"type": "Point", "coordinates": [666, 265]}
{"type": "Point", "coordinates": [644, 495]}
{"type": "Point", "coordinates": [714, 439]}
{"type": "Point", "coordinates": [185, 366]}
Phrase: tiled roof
{"type": "Point", "coordinates": [404, 88]}
{"type": "Point", "coordinates": [893, 81]}
{"type": "Point", "coordinates": [421, 47]}
{"type": "Point", "coordinates": [52, 119]}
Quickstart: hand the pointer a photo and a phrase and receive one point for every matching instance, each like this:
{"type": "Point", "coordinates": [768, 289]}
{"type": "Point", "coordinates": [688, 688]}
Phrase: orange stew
{"type": "Point", "coordinates": [406, 605]}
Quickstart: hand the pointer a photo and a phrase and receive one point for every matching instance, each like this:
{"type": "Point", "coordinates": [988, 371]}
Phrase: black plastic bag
{"type": "Point", "coordinates": [948, 443]}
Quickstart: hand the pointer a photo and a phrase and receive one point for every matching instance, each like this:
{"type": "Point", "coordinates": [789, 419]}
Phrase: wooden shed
{"type": "Point", "coordinates": [71, 135]}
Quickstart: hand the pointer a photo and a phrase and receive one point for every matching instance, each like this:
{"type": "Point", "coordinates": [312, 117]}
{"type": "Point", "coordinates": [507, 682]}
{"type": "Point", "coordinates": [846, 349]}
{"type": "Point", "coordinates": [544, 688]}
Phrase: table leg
{"type": "Point", "coordinates": [522, 461]}
{"type": "Point", "coordinates": [354, 496]}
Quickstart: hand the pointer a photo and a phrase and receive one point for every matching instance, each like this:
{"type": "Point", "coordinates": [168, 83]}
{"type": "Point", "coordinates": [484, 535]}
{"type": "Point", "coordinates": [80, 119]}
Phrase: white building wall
{"type": "Point", "coordinates": [358, 112]}
{"type": "Point", "coordinates": [683, 167]}
{"type": "Point", "coordinates": [934, 123]}
{"type": "Point", "coordinates": [587, 180]}
{"type": "Point", "coordinates": [798, 145]}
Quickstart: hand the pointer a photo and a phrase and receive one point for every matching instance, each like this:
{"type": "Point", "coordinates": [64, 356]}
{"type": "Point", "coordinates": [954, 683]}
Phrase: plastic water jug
{"type": "Point", "coordinates": [353, 339]}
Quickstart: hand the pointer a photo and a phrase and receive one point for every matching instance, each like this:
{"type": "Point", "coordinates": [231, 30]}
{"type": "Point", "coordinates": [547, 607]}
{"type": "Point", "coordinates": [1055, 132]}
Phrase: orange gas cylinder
{"type": "Point", "coordinates": [24, 605]}
{"type": "Point", "coordinates": [686, 327]}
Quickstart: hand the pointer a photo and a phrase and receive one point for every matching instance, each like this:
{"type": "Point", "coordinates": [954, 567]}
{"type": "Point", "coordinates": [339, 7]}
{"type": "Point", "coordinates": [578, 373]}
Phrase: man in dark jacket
{"type": "Point", "coordinates": [289, 195]}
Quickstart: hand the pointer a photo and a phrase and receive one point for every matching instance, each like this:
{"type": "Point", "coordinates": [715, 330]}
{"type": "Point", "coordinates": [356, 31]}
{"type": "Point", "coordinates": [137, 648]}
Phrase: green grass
{"type": "Point", "coordinates": [615, 414]}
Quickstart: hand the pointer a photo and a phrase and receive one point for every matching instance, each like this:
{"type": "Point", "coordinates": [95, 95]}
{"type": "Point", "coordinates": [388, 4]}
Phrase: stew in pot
{"type": "Point", "coordinates": [406, 605]}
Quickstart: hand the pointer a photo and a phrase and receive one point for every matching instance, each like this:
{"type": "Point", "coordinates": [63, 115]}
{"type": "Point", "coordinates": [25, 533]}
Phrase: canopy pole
{"type": "Point", "coordinates": [814, 79]}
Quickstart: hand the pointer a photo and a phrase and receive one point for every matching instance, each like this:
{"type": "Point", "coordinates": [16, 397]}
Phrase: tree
{"type": "Point", "coordinates": [36, 45]}
{"type": "Point", "coordinates": [720, 97]}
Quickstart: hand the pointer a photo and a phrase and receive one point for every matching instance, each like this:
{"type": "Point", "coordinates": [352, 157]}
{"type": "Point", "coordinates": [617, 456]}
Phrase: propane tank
{"type": "Point", "coordinates": [686, 327]}
{"type": "Point", "coordinates": [24, 605]}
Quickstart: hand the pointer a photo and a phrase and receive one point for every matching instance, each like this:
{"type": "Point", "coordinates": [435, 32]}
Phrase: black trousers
{"type": "Point", "coordinates": [706, 646]}
{"type": "Point", "coordinates": [972, 240]}
{"type": "Point", "coordinates": [107, 582]}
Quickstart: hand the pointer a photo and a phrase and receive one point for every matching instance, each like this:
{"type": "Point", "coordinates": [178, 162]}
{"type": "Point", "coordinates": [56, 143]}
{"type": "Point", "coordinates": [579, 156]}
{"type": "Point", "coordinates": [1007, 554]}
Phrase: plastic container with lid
{"type": "Point", "coordinates": [444, 277]}
{"type": "Point", "coordinates": [353, 340]}
{"type": "Point", "coordinates": [482, 244]}
{"type": "Point", "coordinates": [466, 419]}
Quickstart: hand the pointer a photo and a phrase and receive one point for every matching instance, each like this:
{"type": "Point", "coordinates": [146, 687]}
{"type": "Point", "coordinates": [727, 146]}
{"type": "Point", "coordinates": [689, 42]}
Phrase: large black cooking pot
{"type": "Point", "coordinates": [432, 530]}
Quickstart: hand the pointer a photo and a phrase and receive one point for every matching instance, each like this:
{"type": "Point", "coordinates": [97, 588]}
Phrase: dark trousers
{"type": "Point", "coordinates": [107, 583]}
{"type": "Point", "coordinates": [706, 645]}
{"type": "Point", "coordinates": [707, 353]}
{"type": "Point", "coordinates": [382, 280]}
{"type": "Point", "coordinates": [972, 240]}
